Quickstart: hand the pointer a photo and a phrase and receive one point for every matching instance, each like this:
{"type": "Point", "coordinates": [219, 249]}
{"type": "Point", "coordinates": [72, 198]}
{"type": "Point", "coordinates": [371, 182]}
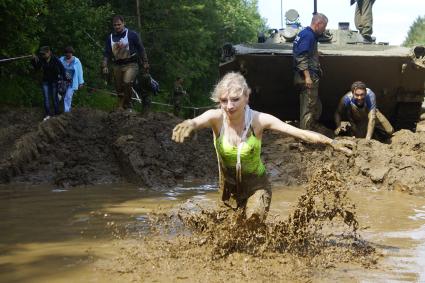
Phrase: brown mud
{"type": "Point", "coordinates": [197, 240]}
{"type": "Point", "coordinates": [94, 147]}
{"type": "Point", "coordinates": [218, 244]}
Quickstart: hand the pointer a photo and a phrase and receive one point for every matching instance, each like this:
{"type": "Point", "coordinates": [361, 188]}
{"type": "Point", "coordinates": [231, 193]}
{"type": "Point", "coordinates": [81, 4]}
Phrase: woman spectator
{"type": "Point", "coordinates": [73, 76]}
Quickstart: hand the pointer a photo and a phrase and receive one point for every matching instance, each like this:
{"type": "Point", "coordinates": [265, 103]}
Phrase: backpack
{"type": "Point", "coordinates": [62, 85]}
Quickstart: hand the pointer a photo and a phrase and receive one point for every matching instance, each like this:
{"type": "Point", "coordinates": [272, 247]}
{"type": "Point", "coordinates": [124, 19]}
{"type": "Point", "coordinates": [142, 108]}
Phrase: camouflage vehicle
{"type": "Point", "coordinates": [396, 74]}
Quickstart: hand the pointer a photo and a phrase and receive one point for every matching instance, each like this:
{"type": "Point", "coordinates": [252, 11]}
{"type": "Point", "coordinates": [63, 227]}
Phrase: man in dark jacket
{"type": "Point", "coordinates": [363, 18]}
{"type": "Point", "coordinates": [53, 70]}
{"type": "Point", "coordinates": [308, 71]}
{"type": "Point", "coordinates": [125, 49]}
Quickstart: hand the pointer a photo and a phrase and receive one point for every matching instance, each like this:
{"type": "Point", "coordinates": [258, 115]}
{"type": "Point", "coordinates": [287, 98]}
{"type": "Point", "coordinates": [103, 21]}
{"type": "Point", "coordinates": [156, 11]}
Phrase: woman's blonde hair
{"type": "Point", "coordinates": [231, 83]}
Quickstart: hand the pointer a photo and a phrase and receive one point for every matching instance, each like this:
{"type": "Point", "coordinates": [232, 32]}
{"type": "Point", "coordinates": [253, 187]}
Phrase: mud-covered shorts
{"type": "Point", "coordinates": [253, 194]}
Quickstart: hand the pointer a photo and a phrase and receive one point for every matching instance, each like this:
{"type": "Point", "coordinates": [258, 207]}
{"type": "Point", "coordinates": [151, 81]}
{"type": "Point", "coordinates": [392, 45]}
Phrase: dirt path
{"type": "Point", "coordinates": [93, 147]}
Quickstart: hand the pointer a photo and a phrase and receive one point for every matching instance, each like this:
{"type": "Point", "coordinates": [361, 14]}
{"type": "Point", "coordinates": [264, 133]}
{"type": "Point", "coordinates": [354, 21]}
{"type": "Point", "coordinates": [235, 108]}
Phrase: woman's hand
{"type": "Point", "coordinates": [183, 130]}
{"type": "Point", "coordinates": [345, 146]}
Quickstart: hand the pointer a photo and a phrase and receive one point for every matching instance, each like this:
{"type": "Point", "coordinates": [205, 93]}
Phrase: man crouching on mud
{"type": "Point", "coordinates": [358, 106]}
{"type": "Point", "coordinates": [238, 131]}
{"type": "Point", "coordinates": [125, 48]}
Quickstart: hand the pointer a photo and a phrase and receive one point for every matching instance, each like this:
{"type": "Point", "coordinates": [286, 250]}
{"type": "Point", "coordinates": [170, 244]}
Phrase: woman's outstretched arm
{"type": "Point", "coordinates": [208, 119]}
{"type": "Point", "coordinates": [268, 121]}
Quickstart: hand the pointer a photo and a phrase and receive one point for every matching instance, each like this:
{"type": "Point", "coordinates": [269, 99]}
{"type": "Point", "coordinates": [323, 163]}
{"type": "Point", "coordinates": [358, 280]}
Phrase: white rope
{"type": "Point", "coordinates": [14, 58]}
{"type": "Point", "coordinates": [137, 98]}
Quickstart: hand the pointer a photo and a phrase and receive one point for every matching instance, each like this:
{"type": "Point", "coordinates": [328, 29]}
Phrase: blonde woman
{"type": "Point", "coordinates": [238, 132]}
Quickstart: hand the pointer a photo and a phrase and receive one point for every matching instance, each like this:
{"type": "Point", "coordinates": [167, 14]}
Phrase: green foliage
{"type": "Point", "coordinates": [95, 99]}
{"type": "Point", "coordinates": [26, 25]}
{"type": "Point", "coordinates": [239, 20]}
{"type": "Point", "coordinates": [416, 35]}
{"type": "Point", "coordinates": [20, 92]}
{"type": "Point", "coordinates": [80, 25]}
{"type": "Point", "coordinates": [19, 36]}
{"type": "Point", "coordinates": [20, 27]}
{"type": "Point", "coordinates": [182, 39]}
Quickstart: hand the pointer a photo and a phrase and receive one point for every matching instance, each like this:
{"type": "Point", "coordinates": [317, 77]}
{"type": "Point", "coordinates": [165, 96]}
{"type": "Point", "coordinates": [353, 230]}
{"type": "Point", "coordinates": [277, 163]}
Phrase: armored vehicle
{"type": "Point", "coordinates": [396, 74]}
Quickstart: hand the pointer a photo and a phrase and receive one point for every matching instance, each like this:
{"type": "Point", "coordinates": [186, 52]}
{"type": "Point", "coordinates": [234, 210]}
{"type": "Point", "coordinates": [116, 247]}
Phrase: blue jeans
{"type": "Point", "coordinates": [50, 92]}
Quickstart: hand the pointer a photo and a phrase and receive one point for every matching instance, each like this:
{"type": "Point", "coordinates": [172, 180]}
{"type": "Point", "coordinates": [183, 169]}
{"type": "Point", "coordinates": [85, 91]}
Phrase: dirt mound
{"type": "Point", "coordinates": [399, 165]}
{"type": "Point", "coordinates": [148, 156]}
{"type": "Point", "coordinates": [92, 147]}
{"type": "Point", "coordinates": [67, 150]}
{"type": "Point", "coordinates": [14, 124]}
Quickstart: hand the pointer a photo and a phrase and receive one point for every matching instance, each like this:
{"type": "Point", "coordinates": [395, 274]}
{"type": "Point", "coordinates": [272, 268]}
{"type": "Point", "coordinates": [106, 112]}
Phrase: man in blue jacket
{"type": "Point", "coordinates": [125, 49]}
{"type": "Point", "coordinates": [308, 71]}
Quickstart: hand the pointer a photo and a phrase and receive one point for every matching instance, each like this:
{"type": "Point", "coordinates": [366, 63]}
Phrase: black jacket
{"type": "Point", "coordinates": [52, 70]}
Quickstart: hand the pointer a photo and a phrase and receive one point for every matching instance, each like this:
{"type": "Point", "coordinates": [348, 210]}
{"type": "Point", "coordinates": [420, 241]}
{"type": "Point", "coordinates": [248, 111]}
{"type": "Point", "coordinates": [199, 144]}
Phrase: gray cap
{"type": "Point", "coordinates": [44, 49]}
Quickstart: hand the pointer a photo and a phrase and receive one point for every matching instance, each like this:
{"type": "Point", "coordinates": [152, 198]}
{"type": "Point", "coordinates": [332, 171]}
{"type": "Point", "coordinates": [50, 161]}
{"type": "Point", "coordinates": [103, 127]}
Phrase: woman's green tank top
{"type": "Point", "coordinates": [250, 155]}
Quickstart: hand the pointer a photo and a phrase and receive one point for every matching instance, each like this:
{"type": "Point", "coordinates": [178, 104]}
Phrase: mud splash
{"type": "Point", "coordinates": [303, 233]}
{"type": "Point", "coordinates": [321, 232]}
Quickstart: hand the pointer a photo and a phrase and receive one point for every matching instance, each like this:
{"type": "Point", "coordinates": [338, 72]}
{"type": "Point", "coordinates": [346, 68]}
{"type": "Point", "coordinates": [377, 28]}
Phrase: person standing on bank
{"type": "Point", "coordinates": [178, 95]}
{"type": "Point", "coordinates": [363, 18]}
{"type": "Point", "coordinates": [308, 71]}
{"type": "Point", "coordinates": [125, 49]}
{"type": "Point", "coordinates": [238, 132]}
{"type": "Point", "coordinates": [53, 70]}
{"type": "Point", "coordinates": [358, 106]}
{"type": "Point", "coordinates": [73, 76]}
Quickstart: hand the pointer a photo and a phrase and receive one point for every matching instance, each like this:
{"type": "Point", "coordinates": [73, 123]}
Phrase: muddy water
{"type": "Point", "coordinates": [52, 235]}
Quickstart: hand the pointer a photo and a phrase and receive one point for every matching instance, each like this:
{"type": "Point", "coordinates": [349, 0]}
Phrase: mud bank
{"type": "Point", "coordinates": [94, 147]}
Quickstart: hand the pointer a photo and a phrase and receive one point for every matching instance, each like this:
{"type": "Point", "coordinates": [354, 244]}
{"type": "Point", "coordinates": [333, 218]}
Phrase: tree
{"type": "Point", "coordinates": [27, 25]}
{"type": "Point", "coordinates": [416, 34]}
{"type": "Point", "coordinates": [80, 24]}
{"type": "Point", "coordinates": [182, 37]}
{"type": "Point", "coordinates": [19, 35]}
{"type": "Point", "coordinates": [20, 30]}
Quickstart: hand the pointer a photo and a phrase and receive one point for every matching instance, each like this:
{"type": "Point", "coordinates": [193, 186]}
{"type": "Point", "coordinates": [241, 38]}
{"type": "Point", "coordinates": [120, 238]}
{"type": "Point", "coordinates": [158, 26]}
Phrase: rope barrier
{"type": "Point", "coordinates": [136, 95]}
{"type": "Point", "coordinates": [94, 40]}
{"type": "Point", "coordinates": [14, 58]}
{"type": "Point", "coordinates": [136, 98]}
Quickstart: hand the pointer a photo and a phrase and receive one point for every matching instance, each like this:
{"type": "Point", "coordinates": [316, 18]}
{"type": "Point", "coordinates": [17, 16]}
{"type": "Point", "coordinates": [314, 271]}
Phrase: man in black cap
{"type": "Point", "coordinates": [53, 70]}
